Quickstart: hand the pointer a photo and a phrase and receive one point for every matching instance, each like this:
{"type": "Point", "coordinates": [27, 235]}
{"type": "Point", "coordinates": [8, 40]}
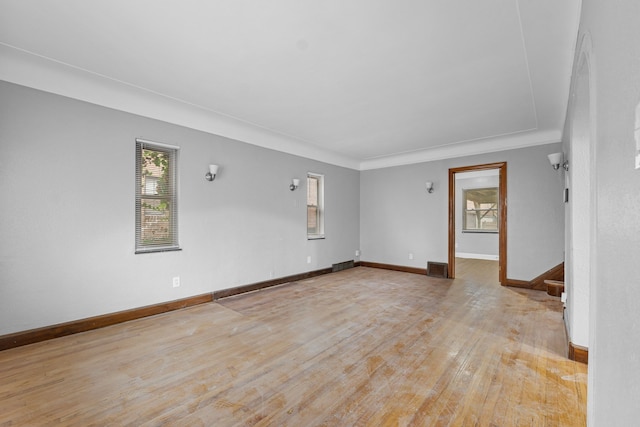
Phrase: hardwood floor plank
{"type": "Point", "coordinates": [362, 347]}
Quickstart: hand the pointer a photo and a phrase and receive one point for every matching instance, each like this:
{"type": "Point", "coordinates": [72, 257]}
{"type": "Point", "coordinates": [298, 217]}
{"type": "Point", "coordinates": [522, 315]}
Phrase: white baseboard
{"type": "Point", "coordinates": [476, 256]}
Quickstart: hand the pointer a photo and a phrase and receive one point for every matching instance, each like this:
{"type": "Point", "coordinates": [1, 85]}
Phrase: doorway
{"type": "Point", "coordinates": [485, 214]}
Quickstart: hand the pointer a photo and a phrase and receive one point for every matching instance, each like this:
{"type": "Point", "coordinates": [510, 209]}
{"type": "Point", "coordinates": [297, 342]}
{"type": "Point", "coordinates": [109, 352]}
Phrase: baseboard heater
{"type": "Point", "coordinates": [342, 266]}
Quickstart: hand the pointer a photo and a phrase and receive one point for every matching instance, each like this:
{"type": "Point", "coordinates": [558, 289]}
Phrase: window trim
{"type": "Point", "coordinates": [320, 208]}
{"type": "Point", "coordinates": [174, 153]}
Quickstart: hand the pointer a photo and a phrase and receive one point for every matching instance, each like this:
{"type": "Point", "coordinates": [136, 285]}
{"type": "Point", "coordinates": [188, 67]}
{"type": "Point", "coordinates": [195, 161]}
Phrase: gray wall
{"type": "Point", "coordinates": [399, 217]}
{"type": "Point", "coordinates": [67, 213]}
{"type": "Point", "coordinates": [474, 243]}
{"type": "Point", "coordinates": [614, 347]}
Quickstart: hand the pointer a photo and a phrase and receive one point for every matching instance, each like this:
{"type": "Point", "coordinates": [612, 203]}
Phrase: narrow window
{"type": "Point", "coordinates": [480, 210]}
{"type": "Point", "coordinates": [315, 206]}
{"type": "Point", "coordinates": [156, 197]}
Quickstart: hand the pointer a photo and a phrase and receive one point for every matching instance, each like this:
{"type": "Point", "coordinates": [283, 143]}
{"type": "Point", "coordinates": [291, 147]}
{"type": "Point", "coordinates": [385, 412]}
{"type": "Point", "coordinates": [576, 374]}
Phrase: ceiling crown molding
{"type": "Point", "coordinates": [466, 148]}
{"type": "Point", "coordinates": [38, 72]}
{"type": "Point", "coordinates": [27, 69]}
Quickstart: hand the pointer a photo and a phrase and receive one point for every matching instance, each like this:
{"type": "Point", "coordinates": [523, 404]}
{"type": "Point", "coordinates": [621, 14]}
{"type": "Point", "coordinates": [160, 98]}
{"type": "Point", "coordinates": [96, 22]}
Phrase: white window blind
{"type": "Point", "coordinates": [156, 197]}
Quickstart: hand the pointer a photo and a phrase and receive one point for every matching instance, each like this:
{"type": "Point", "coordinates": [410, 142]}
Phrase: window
{"type": "Point", "coordinates": [315, 206]}
{"type": "Point", "coordinates": [156, 197]}
{"type": "Point", "coordinates": [480, 210]}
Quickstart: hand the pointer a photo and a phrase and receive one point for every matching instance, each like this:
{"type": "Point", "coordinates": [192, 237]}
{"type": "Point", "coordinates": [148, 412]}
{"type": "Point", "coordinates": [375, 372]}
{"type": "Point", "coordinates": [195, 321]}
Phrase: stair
{"type": "Point", "coordinates": [554, 287]}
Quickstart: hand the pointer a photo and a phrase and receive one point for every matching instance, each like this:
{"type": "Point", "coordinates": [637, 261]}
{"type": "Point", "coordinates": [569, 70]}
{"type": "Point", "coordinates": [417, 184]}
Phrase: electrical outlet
{"type": "Point", "coordinates": [410, 255]}
{"type": "Point", "coordinates": [176, 282]}
{"type": "Point", "coordinates": [309, 259]}
{"type": "Point", "coordinates": [357, 252]}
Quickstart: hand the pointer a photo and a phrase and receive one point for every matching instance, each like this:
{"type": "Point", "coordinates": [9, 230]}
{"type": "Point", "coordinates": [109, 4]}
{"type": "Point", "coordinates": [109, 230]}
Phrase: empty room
{"type": "Point", "coordinates": [297, 213]}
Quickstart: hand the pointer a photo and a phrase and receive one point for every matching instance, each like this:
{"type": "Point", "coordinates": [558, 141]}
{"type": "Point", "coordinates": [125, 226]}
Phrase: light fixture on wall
{"type": "Point", "coordinates": [295, 182]}
{"type": "Point", "coordinates": [213, 171]}
{"type": "Point", "coordinates": [429, 186]}
{"type": "Point", "coordinates": [556, 159]}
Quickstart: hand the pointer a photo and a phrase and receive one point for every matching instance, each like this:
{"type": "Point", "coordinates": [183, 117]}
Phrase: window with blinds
{"type": "Point", "coordinates": [156, 197]}
{"type": "Point", "coordinates": [315, 206]}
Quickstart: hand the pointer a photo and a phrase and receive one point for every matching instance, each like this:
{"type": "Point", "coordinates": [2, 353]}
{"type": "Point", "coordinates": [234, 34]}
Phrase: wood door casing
{"type": "Point", "coordinates": [502, 226]}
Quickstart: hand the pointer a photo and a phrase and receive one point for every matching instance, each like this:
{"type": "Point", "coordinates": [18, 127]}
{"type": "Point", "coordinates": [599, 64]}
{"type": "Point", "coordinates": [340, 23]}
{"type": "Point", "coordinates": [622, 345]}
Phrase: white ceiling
{"type": "Point", "coordinates": [359, 83]}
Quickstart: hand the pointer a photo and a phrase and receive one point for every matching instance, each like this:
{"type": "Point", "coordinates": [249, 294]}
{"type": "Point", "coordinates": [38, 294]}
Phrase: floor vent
{"type": "Point", "coordinates": [438, 269]}
{"type": "Point", "coordinates": [342, 266]}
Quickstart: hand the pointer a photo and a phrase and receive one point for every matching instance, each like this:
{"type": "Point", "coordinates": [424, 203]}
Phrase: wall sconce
{"type": "Point", "coordinates": [556, 159]}
{"type": "Point", "coordinates": [213, 171]}
{"type": "Point", "coordinates": [429, 185]}
{"type": "Point", "coordinates": [295, 182]}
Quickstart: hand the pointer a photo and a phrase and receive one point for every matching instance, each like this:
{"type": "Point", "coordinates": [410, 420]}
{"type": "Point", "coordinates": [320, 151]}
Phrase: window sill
{"type": "Point", "coordinates": [156, 250]}
{"type": "Point", "coordinates": [481, 231]}
{"type": "Point", "coordinates": [315, 237]}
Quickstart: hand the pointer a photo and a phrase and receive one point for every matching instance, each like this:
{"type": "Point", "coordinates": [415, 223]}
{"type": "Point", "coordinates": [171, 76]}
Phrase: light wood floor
{"type": "Point", "coordinates": [362, 347]}
{"type": "Point", "coordinates": [479, 271]}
